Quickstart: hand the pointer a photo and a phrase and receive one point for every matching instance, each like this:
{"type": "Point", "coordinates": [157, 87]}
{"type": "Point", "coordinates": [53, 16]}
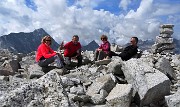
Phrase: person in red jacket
{"type": "Point", "coordinates": [104, 50]}
{"type": "Point", "coordinates": [45, 55]}
{"type": "Point", "coordinates": [72, 49]}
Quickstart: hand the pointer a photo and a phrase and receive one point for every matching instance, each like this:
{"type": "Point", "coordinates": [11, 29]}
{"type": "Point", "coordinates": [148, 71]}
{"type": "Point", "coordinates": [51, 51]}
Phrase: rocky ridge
{"type": "Point", "coordinates": [150, 81]}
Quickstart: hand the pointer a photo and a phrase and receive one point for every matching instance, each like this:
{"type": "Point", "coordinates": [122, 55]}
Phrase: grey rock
{"type": "Point", "coordinates": [79, 90]}
{"type": "Point", "coordinates": [67, 81]}
{"type": "Point", "coordinates": [105, 82]}
{"type": "Point", "coordinates": [103, 62]}
{"type": "Point", "coordinates": [80, 98]}
{"type": "Point", "coordinates": [99, 98]}
{"type": "Point", "coordinates": [176, 60]}
{"type": "Point", "coordinates": [35, 103]}
{"type": "Point", "coordinates": [173, 100]}
{"type": "Point", "coordinates": [35, 71]}
{"type": "Point", "coordinates": [164, 66]}
{"type": "Point", "coordinates": [9, 67]}
{"type": "Point", "coordinates": [115, 67]}
{"type": "Point", "coordinates": [150, 83]}
{"type": "Point", "coordinates": [160, 40]}
{"type": "Point", "coordinates": [167, 26]}
{"type": "Point", "coordinates": [61, 71]}
{"type": "Point", "coordinates": [165, 52]}
{"type": "Point", "coordinates": [162, 48]}
{"type": "Point", "coordinates": [116, 48]}
{"type": "Point", "coordinates": [166, 31]}
{"type": "Point", "coordinates": [26, 61]}
{"type": "Point", "coordinates": [165, 35]}
{"type": "Point", "coordinates": [120, 95]}
{"type": "Point", "coordinates": [5, 78]}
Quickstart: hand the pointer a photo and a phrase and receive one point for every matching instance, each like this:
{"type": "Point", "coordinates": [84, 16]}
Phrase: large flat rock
{"type": "Point", "coordinates": [120, 95]}
{"type": "Point", "coordinates": [150, 84]}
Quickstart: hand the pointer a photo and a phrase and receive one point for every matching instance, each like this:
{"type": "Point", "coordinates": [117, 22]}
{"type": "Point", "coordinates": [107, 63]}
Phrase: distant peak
{"type": "Point", "coordinates": [40, 29]}
{"type": "Point", "coordinates": [93, 41]}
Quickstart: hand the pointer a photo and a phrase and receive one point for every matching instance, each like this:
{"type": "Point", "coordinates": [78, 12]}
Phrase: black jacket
{"type": "Point", "coordinates": [128, 52]}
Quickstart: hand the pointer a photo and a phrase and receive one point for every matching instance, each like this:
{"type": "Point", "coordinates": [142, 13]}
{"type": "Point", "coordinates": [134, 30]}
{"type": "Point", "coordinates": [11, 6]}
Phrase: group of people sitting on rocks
{"type": "Point", "coordinates": [45, 55]}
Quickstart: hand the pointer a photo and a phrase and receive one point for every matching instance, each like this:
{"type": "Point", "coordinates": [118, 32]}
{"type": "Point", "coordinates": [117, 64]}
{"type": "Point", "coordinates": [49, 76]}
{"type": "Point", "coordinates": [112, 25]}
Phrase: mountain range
{"type": "Point", "coordinates": [24, 42]}
{"type": "Point", "coordinates": [28, 42]}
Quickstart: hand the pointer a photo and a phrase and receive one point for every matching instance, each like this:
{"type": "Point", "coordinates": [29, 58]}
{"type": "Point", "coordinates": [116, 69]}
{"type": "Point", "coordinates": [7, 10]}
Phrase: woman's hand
{"type": "Point", "coordinates": [62, 45]}
{"type": "Point", "coordinates": [99, 49]}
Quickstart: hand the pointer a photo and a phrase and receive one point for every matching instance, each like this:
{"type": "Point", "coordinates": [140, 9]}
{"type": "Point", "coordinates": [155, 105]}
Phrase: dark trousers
{"type": "Point", "coordinates": [46, 62]}
{"type": "Point", "coordinates": [79, 58]}
{"type": "Point", "coordinates": [100, 55]}
{"type": "Point", "coordinates": [113, 54]}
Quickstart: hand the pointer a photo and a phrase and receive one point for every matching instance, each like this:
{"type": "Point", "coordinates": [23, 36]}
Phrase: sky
{"type": "Point", "coordinates": [118, 19]}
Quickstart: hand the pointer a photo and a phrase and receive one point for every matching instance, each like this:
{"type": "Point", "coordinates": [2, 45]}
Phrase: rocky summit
{"type": "Point", "coordinates": [146, 80]}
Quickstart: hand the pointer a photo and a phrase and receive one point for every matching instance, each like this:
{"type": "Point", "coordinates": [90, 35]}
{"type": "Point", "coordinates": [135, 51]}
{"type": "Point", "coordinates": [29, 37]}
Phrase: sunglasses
{"type": "Point", "coordinates": [48, 40]}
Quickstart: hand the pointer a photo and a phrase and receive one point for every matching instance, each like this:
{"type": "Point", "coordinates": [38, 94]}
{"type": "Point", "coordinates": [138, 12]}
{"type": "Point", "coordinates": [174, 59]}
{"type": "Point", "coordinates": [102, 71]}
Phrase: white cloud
{"type": "Point", "coordinates": [88, 3]}
{"type": "Point", "coordinates": [144, 10]}
{"type": "Point", "coordinates": [124, 4]}
{"type": "Point", "coordinates": [14, 17]}
{"type": "Point", "coordinates": [61, 21]}
{"type": "Point", "coordinates": [166, 9]}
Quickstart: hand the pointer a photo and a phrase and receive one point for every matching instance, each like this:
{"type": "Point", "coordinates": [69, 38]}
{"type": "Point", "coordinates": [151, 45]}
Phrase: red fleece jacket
{"type": "Point", "coordinates": [105, 47]}
{"type": "Point", "coordinates": [44, 50]}
{"type": "Point", "coordinates": [71, 48]}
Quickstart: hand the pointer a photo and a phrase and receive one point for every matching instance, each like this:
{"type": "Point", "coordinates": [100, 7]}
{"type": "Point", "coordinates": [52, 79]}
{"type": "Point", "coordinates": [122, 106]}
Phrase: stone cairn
{"type": "Point", "coordinates": [164, 42]}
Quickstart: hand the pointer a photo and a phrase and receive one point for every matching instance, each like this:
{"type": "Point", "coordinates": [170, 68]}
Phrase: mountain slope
{"type": "Point", "coordinates": [91, 46]}
{"type": "Point", "coordinates": [24, 42]}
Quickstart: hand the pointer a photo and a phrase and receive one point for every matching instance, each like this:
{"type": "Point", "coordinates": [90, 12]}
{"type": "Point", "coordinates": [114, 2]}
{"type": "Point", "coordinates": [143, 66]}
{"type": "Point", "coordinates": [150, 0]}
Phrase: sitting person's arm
{"type": "Point", "coordinates": [78, 52]}
{"type": "Point", "coordinates": [45, 52]}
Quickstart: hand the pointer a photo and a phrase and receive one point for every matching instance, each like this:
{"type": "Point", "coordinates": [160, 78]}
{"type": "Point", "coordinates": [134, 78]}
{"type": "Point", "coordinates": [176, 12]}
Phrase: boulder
{"type": "Point", "coordinates": [103, 62]}
{"type": "Point", "coordinates": [164, 66]}
{"type": "Point", "coordinates": [160, 40]}
{"type": "Point", "coordinates": [99, 98]}
{"type": "Point", "coordinates": [116, 48]}
{"type": "Point", "coordinates": [9, 67]}
{"type": "Point", "coordinates": [149, 83]}
{"type": "Point", "coordinates": [115, 67]}
{"type": "Point", "coordinates": [79, 90]}
{"type": "Point", "coordinates": [166, 30]}
{"type": "Point", "coordinates": [173, 100]}
{"type": "Point", "coordinates": [103, 83]}
{"type": "Point", "coordinates": [120, 95]}
{"type": "Point", "coordinates": [35, 71]}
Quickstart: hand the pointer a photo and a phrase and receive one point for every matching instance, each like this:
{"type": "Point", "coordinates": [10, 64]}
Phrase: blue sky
{"type": "Point", "coordinates": [118, 19]}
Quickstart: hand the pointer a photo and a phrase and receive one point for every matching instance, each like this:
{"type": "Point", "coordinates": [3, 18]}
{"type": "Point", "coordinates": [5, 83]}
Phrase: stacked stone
{"type": "Point", "coordinates": [164, 42]}
{"type": "Point", "coordinates": [116, 48]}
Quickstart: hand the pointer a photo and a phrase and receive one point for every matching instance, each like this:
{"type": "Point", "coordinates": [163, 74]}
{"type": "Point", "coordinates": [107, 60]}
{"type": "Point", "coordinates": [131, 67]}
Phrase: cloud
{"type": "Point", "coordinates": [62, 21]}
{"type": "Point", "coordinates": [124, 4]}
{"type": "Point", "coordinates": [143, 11]}
{"type": "Point", "coordinates": [14, 17]}
{"type": "Point", "coordinates": [88, 3]}
{"type": "Point", "coordinates": [166, 9]}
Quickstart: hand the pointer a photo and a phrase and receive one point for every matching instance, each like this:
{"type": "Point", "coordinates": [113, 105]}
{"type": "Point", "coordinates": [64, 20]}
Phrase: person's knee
{"type": "Point", "coordinates": [101, 52]}
{"type": "Point", "coordinates": [67, 60]}
{"type": "Point", "coordinates": [80, 57]}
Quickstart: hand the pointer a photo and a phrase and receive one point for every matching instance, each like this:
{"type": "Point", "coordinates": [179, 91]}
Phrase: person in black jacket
{"type": "Point", "coordinates": [129, 51]}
